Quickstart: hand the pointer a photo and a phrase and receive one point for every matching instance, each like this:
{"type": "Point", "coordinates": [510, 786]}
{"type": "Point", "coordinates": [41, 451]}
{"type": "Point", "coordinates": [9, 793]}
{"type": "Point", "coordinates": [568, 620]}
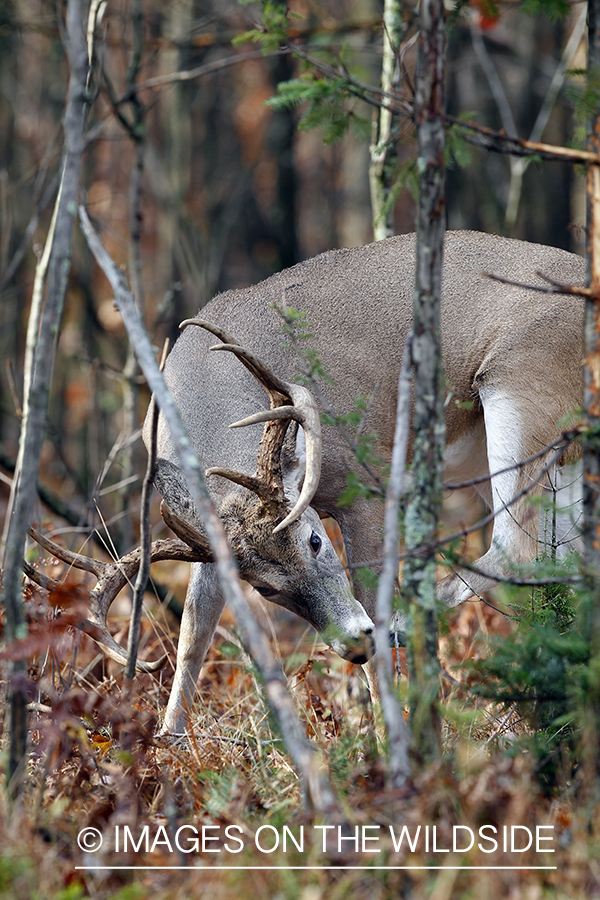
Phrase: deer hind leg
{"type": "Point", "coordinates": [204, 604]}
{"type": "Point", "coordinates": [509, 440]}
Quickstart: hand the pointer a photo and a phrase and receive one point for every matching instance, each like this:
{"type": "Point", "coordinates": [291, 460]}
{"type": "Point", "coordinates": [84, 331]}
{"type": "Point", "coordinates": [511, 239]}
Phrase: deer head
{"type": "Point", "coordinates": [280, 544]}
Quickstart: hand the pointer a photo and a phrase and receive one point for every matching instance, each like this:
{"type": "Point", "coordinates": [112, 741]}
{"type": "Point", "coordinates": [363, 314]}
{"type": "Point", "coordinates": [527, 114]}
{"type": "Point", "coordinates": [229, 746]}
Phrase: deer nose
{"type": "Point", "coordinates": [364, 648]}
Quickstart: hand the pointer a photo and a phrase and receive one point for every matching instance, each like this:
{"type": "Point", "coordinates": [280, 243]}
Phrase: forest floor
{"type": "Point", "coordinates": [223, 815]}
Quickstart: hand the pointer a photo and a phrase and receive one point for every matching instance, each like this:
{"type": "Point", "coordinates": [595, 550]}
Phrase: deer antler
{"type": "Point", "coordinates": [111, 577]}
{"type": "Point", "coordinates": [288, 401]}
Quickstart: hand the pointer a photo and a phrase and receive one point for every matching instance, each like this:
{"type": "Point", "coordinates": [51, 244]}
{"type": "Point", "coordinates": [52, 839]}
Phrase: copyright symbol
{"type": "Point", "coordinates": [89, 840]}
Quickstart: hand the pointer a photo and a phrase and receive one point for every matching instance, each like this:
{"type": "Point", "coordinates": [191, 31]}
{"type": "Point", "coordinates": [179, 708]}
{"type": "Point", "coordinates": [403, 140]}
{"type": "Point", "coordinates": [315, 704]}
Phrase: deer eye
{"type": "Point", "coordinates": [266, 592]}
{"type": "Point", "coordinates": [315, 542]}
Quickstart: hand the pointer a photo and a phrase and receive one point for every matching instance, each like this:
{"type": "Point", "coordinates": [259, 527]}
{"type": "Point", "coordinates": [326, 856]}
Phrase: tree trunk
{"type": "Point", "coordinates": [591, 444]}
{"type": "Point", "coordinates": [424, 506]}
{"type": "Point", "coordinates": [383, 144]}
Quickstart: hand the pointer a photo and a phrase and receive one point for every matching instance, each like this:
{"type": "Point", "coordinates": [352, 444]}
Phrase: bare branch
{"type": "Point", "coordinates": [146, 541]}
{"type": "Point", "coordinates": [482, 136]}
{"type": "Point", "coordinates": [207, 69]}
{"type": "Point", "coordinates": [490, 138]}
{"type": "Point", "coordinates": [397, 733]}
{"type": "Point", "coordinates": [561, 445]}
{"type": "Point", "coordinates": [556, 287]}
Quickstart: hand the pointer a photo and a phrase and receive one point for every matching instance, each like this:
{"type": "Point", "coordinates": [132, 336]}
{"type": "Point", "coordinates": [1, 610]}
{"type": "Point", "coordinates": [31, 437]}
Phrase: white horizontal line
{"type": "Point", "coordinates": [318, 868]}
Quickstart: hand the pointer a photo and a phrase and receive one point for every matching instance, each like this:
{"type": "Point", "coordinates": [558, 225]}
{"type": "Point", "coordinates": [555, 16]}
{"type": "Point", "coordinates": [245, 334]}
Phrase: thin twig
{"type": "Point", "coordinates": [522, 582]}
{"type": "Point", "coordinates": [146, 540]}
{"type": "Point", "coordinates": [477, 526]}
{"type": "Point", "coordinates": [555, 286]}
{"type": "Point", "coordinates": [398, 736]}
{"type": "Point", "coordinates": [566, 438]}
{"type": "Point", "coordinates": [200, 71]}
{"type": "Point", "coordinates": [491, 516]}
{"type": "Point", "coordinates": [21, 249]}
{"type": "Point", "coordinates": [367, 92]}
{"type": "Point", "coordinates": [488, 138]}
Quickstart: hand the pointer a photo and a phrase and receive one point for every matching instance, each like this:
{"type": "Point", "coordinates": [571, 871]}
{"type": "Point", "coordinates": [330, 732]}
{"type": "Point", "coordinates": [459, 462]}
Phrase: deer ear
{"type": "Point", "coordinates": [293, 462]}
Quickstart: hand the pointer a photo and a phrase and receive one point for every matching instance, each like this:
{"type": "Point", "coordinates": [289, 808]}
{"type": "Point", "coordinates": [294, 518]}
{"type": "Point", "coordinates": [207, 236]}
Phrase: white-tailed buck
{"type": "Point", "coordinates": [515, 353]}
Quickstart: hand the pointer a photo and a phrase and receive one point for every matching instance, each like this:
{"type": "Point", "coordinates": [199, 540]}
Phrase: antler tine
{"type": "Point", "coordinates": [269, 380]}
{"type": "Point", "coordinates": [112, 577]}
{"type": "Point", "coordinates": [306, 414]}
{"type": "Point", "coordinates": [116, 575]}
{"type": "Point", "coordinates": [311, 425]}
{"type": "Point", "coordinates": [209, 326]}
{"type": "Point", "coordinates": [255, 366]}
{"type": "Point", "coordinates": [268, 482]}
{"type": "Point", "coordinates": [304, 411]}
{"type": "Point", "coordinates": [188, 533]}
{"type": "Point", "coordinates": [114, 651]}
{"type": "Point", "coordinates": [96, 626]}
{"type": "Point", "coordinates": [119, 573]}
{"type": "Point", "coordinates": [248, 481]}
{"type": "Point", "coordinates": [76, 560]}
{"type": "Point", "coordinates": [269, 415]}
{"type": "Point", "coordinates": [43, 581]}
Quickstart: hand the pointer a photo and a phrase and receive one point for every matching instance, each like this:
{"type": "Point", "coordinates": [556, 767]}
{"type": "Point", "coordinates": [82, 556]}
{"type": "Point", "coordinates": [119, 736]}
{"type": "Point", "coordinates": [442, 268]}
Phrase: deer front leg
{"type": "Point", "coordinates": [201, 613]}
